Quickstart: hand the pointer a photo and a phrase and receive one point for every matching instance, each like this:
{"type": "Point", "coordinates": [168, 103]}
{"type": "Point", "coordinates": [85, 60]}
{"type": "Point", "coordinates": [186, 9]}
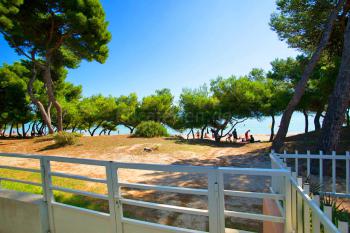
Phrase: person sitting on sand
{"type": "Point", "coordinates": [229, 138]}
{"type": "Point", "coordinates": [246, 135]}
{"type": "Point", "coordinates": [252, 139]}
{"type": "Point", "coordinates": [198, 134]}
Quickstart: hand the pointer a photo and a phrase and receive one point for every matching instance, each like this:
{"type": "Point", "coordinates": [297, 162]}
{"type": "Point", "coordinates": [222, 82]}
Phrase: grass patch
{"type": "Point", "coordinates": [62, 197]}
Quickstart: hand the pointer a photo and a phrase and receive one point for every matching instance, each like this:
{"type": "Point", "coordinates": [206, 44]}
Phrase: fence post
{"type": "Point", "coordinates": [288, 227]}
{"type": "Point", "coordinates": [46, 181]}
{"type": "Point", "coordinates": [321, 171]}
{"type": "Point", "coordinates": [315, 221]}
{"type": "Point", "coordinates": [294, 205]}
{"type": "Point", "coordinates": [343, 226]}
{"type": "Point", "coordinates": [113, 192]}
{"type": "Point", "coordinates": [306, 211]}
{"type": "Point", "coordinates": [347, 171]}
{"type": "Point", "coordinates": [333, 172]}
{"type": "Point", "coordinates": [328, 212]}
{"type": "Point", "coordinates": [300, 207]}
{"type": "Point", "coordinates": [296, 164]}
{"type": "Point", "coordinates": [216, 202]}
{"type": "Point", "coordinates": [308, 164]}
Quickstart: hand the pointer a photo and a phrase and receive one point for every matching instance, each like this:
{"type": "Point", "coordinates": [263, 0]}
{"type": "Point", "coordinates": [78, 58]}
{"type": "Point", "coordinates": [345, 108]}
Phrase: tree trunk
{"type": "Point", "coordinates": [4, 132]}
{"type": "Point", "coordinates": [202, 132]}
{"type": "Point", "coordinates": [338, 101]}
{"type": "Point", "coordinates": [24, 133]}
{"type": "Point", "coordinates": [109, 132]}
{"type": "Point", "coordinates": [51, 94]}
{"type": "Point", "coordinates": [45, 117]}
{"type": "Point", "coordinates": [11, 128]}
{"type": "Point", "coordinates": [299, 89]}
{"type": "Point", "coordinates": [94, 130]}
{"type": "Point", "coordinates": [272, 128]}
{"type": "Point", "coordinates": [317, 120]}
{"type": "Point", "coordinates": [17, 130]}
{"type": "Point", "coordinates": [306, 116]}
{"type": "Point", "coordinates": [102, 131]}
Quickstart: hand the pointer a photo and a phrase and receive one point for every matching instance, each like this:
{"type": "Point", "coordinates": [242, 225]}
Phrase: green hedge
{"type": "Point", "coordinates": [65, 138]}
{"type": "Point", "coordinates": [150, 129]}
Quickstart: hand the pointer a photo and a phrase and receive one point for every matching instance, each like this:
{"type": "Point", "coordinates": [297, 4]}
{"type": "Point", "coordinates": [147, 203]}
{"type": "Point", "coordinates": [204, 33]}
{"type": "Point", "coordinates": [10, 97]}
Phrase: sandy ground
{"type": "Point", "coordinates": [166, 151]}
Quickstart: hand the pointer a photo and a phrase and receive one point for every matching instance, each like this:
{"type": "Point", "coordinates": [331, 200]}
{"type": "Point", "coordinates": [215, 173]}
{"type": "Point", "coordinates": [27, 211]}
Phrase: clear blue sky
{"type": "Point", "coordinates": [176, 44]}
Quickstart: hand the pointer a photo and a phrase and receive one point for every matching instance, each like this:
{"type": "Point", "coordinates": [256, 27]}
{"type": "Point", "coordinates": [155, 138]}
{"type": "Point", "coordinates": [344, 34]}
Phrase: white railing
{"type": "Point", "coordinates": [215, 193]}
{"type": "Point", "coordinates": [302, 207]}
{"type": "Point", "coordinates": [334, 158]}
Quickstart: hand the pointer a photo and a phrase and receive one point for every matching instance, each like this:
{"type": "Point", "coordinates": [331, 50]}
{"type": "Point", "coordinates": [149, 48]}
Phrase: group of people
{"type": "Point", "coordinates": [233, 137]}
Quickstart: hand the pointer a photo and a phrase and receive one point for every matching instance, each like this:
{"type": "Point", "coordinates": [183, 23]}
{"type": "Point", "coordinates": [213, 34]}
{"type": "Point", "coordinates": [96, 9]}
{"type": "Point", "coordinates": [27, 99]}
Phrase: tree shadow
{"type": "Point", "coordinates": [256, 159]}
{"type": "Point", "coordinates": [206, 142]}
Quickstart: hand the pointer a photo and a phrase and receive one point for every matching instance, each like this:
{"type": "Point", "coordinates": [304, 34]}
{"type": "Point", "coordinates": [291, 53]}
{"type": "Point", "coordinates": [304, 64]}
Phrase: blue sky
{"type": "Point", "coordinates": [176, 44]}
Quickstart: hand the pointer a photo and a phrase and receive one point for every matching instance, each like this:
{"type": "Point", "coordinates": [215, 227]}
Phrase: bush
{"type": "Point", "coordinates": [65, 138]}
{"type": "Point", "coordinates": [150, 129]}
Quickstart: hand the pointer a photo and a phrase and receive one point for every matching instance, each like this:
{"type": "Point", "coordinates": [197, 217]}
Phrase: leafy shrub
{"type": "Point", "coordinates": [150, 129]}
{"type": "Point", "coordinates": [65, 138]}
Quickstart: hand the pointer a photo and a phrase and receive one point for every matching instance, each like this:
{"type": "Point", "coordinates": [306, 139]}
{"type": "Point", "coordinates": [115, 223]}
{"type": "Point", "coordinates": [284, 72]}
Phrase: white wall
{"type": "Point", "coordinates": [22, 213]}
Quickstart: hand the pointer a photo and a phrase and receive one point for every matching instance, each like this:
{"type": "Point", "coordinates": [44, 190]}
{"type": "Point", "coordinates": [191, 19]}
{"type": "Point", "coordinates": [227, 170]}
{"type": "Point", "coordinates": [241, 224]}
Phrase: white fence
{"type": "Point", "coordinates": [303, 208]}
{"type": "Point", "coordinates": [321, 158]}
{"type": "Point", "coordinates": [285, 190]}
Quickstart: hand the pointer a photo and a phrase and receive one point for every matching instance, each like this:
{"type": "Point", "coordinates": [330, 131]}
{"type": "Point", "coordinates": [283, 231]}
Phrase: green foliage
{"type": "Point", "coordinates": [158, 107]}
{"type": "Point", "coordinates": [14, 101]}
{"type": "Point", "coordinates": [301, 23]}
{"type": "Point", "coordinates": [197, 107]}
{"type": "Point", "coordinates": [126, 107]}
{"type": "Point", "coordinates": [95, 111]}
{"type": "Point", "coordinates": [150, 129]}
{"type": "Point", "coordinates": [66, 138]}
{"type": "Point", "coordinates": [67, 30]}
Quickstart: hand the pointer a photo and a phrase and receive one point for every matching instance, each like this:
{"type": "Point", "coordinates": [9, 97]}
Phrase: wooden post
{"type": "Point", "coordinates": [288, 226]}
{"type": "Point", "coordinates": [216, 218]}
{"type": "Point", "coordinates": [347, 171]}
{"type": "Point", "coordinates": [306, 210]}
{"type": "Point", "coordinates": [343, 226]}
{"type": "Point", "coordinates": [315, 221]}
{"type": "Point", "coordinates": [321, 171]}
{"type": "Point", "coordinates": [334, 173]}
{"type": "Point", "coordinates": [300, 207]}
{"type": "Point", "coordinates": [294, 204]}
{"type": "Point", "coordinates": [308, 164]}
{"type": "Point", "coordinates": [328, 212]}
{"type": "Point", "coordinates": [115, 208]}
{"type": "Point", "coordinates": [45, 170]}
{"type": "Point", "coordinates": [296, 164]}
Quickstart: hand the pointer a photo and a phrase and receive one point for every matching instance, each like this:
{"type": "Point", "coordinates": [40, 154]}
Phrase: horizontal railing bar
{"type": "Point", "coordinates": [165, 188]}
{"type": "Point", "coordinates": [310, 156]}
{"type": "Point", "coordinates": [252, 216]}
{"type": "Point", "coordinates": [21, 181]}
{"type": "Point", "coordinates": [20, 169]}
{"type": "Point", "coordinates": [254, 171]}
{"type": "Point", "coordinates": [180, 209]}
{"type": "Point", "coordinates": [254, 194]}
{"type": "Point", "coordinates": [158, 226]}
{"type": "Point", "coordinates": [78, 177]}
{"type": "Point", "coordinates": [78, 192]}
{"type": "Point", "coordinates": [20, 156]}
{"type": "Point", "coordinates": [165, 168]}
{"type": "Point", "coordinates": [341, 195]}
